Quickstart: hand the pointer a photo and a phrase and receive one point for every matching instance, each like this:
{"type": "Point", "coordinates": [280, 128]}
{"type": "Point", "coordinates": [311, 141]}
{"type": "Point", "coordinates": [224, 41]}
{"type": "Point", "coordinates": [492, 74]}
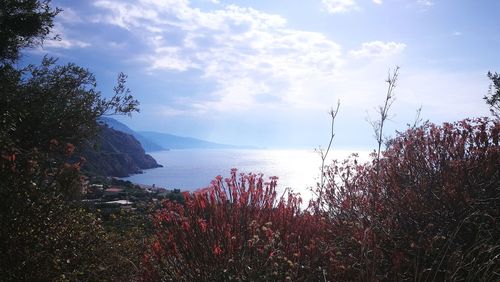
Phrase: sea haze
{"type": "Point", "coordinates": [192, 169]}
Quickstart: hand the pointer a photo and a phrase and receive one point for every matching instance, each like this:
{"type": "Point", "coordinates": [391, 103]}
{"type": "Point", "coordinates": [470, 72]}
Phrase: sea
{"type": "Point", "coordinates": [192, 169]}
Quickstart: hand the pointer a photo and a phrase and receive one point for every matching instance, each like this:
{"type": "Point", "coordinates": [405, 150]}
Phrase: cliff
{"type": "Point", "coordinates": [115, 153]}
{"type": "Point", "coordinates": [147, 144]}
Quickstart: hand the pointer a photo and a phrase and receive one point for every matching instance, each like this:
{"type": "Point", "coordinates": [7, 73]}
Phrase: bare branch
{"type": "Point", "coordinates": [383, 111]}
{"type": "Point", "coordinates": [324, 154]}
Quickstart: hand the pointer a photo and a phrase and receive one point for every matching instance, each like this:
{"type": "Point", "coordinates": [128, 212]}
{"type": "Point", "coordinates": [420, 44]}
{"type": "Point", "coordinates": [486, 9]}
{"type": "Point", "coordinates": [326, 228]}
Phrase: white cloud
{"type": "Point", "coordinates": [251, 56]}
{"type": "Point", "coordinates": [426, 3]}
{"type": "Point", "coordinates": [257, 65]}
{"type": "Point", "coordinates": [65, 44]}
{"type": "Point", "coordinates": [170, 58]}
{"type": "Point", "coordinates": [65, 41]}
{"type": "Point", "coordinates": [339, 6]}
{"type": "Point", "coordinates": [378, 49]}
{"type": "Point", "coordinates": [379, 2]}
{"type": "Point", "coordinates": [68, 15]}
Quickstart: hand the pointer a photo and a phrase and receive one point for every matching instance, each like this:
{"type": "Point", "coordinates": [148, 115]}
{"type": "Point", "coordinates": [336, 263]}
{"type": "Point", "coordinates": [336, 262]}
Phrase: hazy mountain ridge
{"type": "Point", "coordinates": [179, 142]}
{"type": "Point", "coordinates": [157, 141]}
{"type": "Point", "coordinates": [147, 144]}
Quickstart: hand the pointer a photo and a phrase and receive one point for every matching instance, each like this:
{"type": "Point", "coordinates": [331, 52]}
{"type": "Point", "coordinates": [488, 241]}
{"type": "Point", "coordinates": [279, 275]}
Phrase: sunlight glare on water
{"type": "Point", "coordinates": [194, 169]}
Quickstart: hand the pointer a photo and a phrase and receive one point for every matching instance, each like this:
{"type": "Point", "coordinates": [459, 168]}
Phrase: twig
{"type": "Point", "coordinates": [324, 154]}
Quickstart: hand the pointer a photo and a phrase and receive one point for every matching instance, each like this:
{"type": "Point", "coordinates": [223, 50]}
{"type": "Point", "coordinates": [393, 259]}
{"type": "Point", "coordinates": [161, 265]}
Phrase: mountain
{"type": "Point", "coordinates": [146, 143]}
{"type": "Point", "coordinates": [178, 142]}
{"type": "Point", "coordinates": [157, 141]}
{"type": "Point", "coordinates": [116, 153]}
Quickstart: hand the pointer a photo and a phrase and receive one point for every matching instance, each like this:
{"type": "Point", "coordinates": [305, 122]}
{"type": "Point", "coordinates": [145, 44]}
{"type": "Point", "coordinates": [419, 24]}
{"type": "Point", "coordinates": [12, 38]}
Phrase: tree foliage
{"type": "Point", "coordinates": [51, 101]}
{"type": "Point", "coordinates": [46, 111]}
{"type": "Point", "coordinates": [493, 97]}
{"type": "Point", "coordinates": [45, 235]}
{"type": "Point", "coordinates": [23, 23]}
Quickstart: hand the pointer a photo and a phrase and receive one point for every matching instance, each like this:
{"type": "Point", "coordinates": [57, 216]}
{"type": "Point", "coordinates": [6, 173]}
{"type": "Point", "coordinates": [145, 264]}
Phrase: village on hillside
{"type": "Point", "coordinates": [111, 194]}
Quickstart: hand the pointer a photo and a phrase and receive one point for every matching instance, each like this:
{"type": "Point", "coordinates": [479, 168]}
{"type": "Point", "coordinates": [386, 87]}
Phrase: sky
{"type": "Point", "coordinates": [266, 72]}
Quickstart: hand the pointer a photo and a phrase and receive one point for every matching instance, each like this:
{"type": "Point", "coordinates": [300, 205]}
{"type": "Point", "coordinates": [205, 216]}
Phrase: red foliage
{"type": "Point", "coordinates": [237, 229]}
{"type": "Point", "coordinates": [427, 210]}
{"type": "Point", "coordinates": [431, 205]}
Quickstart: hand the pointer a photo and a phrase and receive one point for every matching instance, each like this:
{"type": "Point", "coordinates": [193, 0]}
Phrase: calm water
{"type": "Point", "coordinates": [194, 169]}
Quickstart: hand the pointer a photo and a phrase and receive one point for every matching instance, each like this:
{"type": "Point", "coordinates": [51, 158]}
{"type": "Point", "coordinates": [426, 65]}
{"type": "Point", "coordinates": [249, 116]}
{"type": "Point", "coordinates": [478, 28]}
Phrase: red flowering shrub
{"type": "Point", "coordinates": [428, 210]}
{"type": "Point", "coordinates": [238, 229]}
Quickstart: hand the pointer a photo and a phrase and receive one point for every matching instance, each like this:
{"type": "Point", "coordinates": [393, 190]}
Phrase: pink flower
{"type": "Point", "coordinates": [203, 225]}
{"type": "Point", "coordinates": [156, 247]}
{"type": "Point", "coordinates": [217, 250]}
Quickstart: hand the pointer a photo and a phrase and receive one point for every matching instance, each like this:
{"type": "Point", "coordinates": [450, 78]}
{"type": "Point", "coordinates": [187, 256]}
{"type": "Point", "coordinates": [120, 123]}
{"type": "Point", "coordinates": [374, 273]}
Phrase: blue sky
{"type": "Point", "coordinates": [265, 73]}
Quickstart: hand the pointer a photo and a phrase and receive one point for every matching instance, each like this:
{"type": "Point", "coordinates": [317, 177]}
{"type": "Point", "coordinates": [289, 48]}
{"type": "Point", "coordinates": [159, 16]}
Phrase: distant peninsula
{"type": "Point", "coordinates": [158, 141]}
{"type": "Point", "coordinates": [116, 153]}
{"type": "Point", "coordinates": [120, 151]}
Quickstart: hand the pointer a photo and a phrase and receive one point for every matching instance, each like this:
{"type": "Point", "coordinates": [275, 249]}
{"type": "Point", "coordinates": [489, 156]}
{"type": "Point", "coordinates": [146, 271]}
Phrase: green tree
{"type": "Point", "coordinates": [23, 23]}
{"type": "Point", "coordinates": [46, 102]}
{"type": "Point", "coordinates": [493, 96]}
{"type": "Point", "coordinates": [41, 103]}
{"type": "Point", "coordinates": [44, 236]}
{"type": "Point", "coordinates": [45, 111]}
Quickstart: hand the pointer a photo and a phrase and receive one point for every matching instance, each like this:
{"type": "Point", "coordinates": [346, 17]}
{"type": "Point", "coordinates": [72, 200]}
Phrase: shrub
{"type": "Point", "coordinates": [45, 235]}
{"type": "Point", "coordinates": [237, 229]}
{"type": "Point", "coordinates": [430, 212]}
{"type": "Point", "coordinates": [426, 210]}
